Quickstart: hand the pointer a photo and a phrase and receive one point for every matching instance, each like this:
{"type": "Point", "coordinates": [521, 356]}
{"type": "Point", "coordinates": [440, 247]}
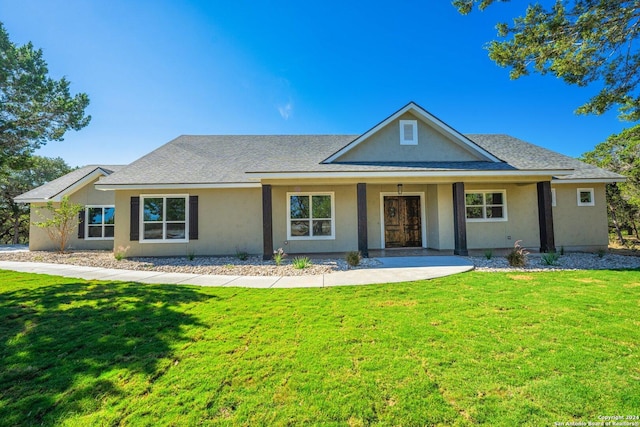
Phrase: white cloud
{"type": "Point", "coordinates": [286, 110]}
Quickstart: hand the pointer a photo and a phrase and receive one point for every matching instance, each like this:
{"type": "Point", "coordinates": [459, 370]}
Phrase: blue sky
{"type": "Point", "coordinates": [158, 69]}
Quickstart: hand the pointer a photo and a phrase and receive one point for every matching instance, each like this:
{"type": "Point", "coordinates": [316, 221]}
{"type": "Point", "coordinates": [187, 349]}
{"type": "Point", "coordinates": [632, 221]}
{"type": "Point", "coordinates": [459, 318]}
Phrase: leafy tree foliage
{"type": "Point", "coordinates": [14, 217]}
{"type": "Point", "coordinates": [60, 222]}
{"type": "Point", "coordinates": [621, 153]}
{"type": "Point", "coordinates": [34, 108]}
{"type": "Point", "coordinates": [584, 42]}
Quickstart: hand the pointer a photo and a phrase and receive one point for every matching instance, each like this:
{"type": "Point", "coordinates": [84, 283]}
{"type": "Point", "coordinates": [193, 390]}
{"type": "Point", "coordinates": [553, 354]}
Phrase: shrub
{"type": "Point", "coordinates": [60, 222]}
{"type": "Point", "coordinates": [550, 258]}
{"type": "Point", "coordinates": [561, 250]}
{"type": "Point", "coordinates": [242, 255]}
{"type": "Point", "coordinates": [353, 258]}
{"type": "Point", "coordinates": [488, 254]}
{"type": "Point", "coordinates": [120, 253]}
{"type": "Point", "coordinates": [301, 263]}
{"type": "Point", "coordinates": [518, 256]}
{"type": "Point", "coordinates": [191, 255]}
{"type": "Point", "coordinates": [278, 256]}
{"type": "Point", "coordinates": [601, 253]}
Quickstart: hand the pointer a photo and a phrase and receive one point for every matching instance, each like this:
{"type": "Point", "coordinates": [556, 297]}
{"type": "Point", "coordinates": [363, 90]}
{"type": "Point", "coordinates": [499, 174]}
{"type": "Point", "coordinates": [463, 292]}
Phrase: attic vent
{"type": "Point", "coordinates": [408, 132]}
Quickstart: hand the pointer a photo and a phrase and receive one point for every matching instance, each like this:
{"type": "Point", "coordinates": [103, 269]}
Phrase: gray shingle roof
{"type": "Point", "coordinates": [58, 186]}
{"type": "Point", "coordinates": [213, 159]}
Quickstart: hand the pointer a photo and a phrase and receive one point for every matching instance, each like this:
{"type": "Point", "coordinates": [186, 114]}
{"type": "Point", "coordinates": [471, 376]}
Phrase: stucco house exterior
{"type": "Point", "coordinates": [410, 181]}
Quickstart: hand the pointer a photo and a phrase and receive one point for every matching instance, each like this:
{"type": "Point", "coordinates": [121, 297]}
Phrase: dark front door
{"type": "Point", "coordinates": [402, 222]}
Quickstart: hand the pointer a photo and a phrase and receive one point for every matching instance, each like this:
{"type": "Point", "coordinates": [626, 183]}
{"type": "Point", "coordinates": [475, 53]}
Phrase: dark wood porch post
{"type": "Point", "coordinates": [363, 241]}
{"type": "Point", "coordinates": [545, 217]}
{"type": "Point", "coordinates": [459, 220]}
{"type": "Point", "coordinates": [267, 223]}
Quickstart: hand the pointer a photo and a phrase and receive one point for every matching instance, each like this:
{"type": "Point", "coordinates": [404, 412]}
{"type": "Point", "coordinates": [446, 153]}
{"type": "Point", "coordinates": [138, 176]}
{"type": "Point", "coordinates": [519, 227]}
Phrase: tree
{"type": "Point", "coordinates": [14, 217]}
{"type": "Point", "coordinates": [34, 108]}
{"type": "Point", "coordinates": [60, 222]}
{"type": "Point", "coordinates": [621, 153]}
{"type": "Point", "coordinates": [583, 42]}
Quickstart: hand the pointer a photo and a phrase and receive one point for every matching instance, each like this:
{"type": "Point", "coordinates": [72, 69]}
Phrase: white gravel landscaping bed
{"type": "Point", "coordinates": [232, 266]}
{"type": "Point", "coordinates": [255, 266]}
{"type": "Point", "coordinates": [568, 261]}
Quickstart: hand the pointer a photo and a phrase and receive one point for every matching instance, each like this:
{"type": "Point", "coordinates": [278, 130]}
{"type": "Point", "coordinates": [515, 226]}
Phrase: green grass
{"type": "Point", "coordinates": [477, 348]}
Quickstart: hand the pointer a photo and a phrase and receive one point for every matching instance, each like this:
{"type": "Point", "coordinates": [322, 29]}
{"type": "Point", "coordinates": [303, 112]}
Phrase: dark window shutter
{"type": "Point", "coordinates": [81, 224]}
{"type": "Point", "coordinates": [134, 224]}
{"type": "Point", "coordinates": [193, 217]}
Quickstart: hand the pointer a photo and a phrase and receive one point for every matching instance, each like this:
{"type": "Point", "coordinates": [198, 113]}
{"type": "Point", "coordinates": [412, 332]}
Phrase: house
{"type": "Point", "coordinates": [410, 181]}
{"type": "Point", "coordinates": [95, 222]}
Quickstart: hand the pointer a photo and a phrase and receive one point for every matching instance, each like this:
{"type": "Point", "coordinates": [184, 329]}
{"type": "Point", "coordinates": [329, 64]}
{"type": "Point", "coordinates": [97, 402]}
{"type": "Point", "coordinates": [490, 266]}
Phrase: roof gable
{"type": "Point", "coordinates": [67, 184]}
{"type": "Point", "coordinates": [437, 141]}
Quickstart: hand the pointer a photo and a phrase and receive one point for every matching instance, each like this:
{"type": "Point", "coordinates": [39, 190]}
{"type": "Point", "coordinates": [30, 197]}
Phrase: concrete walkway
{"type": "Point", "coordinates": [392, 270]}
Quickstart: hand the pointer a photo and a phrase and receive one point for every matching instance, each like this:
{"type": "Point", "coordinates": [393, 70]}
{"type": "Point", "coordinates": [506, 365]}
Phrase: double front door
{"type": "Point", "coordinates": [402, 222]}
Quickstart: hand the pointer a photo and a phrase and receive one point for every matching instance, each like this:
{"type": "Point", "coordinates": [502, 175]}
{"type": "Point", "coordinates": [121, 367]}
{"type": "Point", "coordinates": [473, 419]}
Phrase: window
{"type": "Point", "coordinates": [408, 132]}
{"type": "Point", "coordinates": [586, 197]}
{"type": "Point", "coordinates": [99, 222]}
{"type": "Point", "coordinates": [486, 205]}
{"type": "Point", "coordinates": [310, 216]}
{"type": "Point", "coordinates": [164, 218]}
{"type": "Point", "coordinates": [553, 197]}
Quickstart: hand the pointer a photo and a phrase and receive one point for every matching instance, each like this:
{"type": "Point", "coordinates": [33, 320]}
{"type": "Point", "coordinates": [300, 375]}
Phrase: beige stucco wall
{"type": "Point", "coordinates": [87, 195]}
{"type": "Point", "coordinates": [230, 220]}
{"type": "Point", "coordinates": [522, 220]}
{"type": "Point", "coordinates": [385, 145]}
{"type": "Point", "coordinates": [580, 227]}
{"type": "Point", "coordinates": [346, 220]}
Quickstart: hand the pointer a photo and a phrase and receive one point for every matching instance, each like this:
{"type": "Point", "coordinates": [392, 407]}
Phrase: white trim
{"type": "Point", "coordinates": [141, 239]}
{"type": "Point", "coordinates": [409, 174]}
{"type": "Point", "coordinates": [98, 171]}
{"type": "Point", "coordinates": [423, 213]}
{"type": "Point", "coordinates": [86, 222]}
{"type": "Point", "coordinates": [586, 190]}
{"type": "Point", "coordinates": [504, 218]}
{"type": "Point", "coordinates": [104, 187]}
{"type": "Point", "coordinates": [554, 200]}
{"type": "Point", "coordinates": [425, 116]}
{"type": "Point", "coordinates": [312, 193]}
{"type": "Point", "coordinates": [588, 181]}
{"type": "Point", "coordinates": [414, 132]}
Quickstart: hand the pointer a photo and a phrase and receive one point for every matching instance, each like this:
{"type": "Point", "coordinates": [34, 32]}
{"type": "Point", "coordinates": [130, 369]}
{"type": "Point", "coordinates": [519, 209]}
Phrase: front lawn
{"type": "Point", "coordinates": [477, 348]}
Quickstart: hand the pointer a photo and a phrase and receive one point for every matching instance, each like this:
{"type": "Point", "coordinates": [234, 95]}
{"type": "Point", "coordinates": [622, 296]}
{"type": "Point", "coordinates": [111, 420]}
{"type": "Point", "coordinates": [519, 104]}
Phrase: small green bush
{"type": "Point", "coordinates": [353, 258]}
{"type": "Point", "coordinates": [278, 256]}
{"type": "Point", "coordinates": [301, 263]}
{"type": "Point", "coordinates": [550, 258]}
{"type": "Point", "coordinates": [488, 254]}
{"type": "Point", "coordinates": [601, 253]}
{"type": "Point", "coordinates": [518, 256]}
{"type": "Point", "coordinates": [242, 255]}
{"type": "Point", "coordinates": [120, 253]}
{"type": "Point", "coordinates": [191, 255]}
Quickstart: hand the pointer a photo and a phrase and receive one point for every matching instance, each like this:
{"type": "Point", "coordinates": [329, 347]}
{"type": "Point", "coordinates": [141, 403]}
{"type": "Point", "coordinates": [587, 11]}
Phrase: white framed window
{"type": "Point", "coordinates": [310, 216]}
{"type": "Point", "coordinates": [486, 205]}
{"type": "Point", "coordinates": [408, 132]}
{"type": "Point", "coordinates": [164, 218]}
{"type": "Point", "coordinates": [99, 222]}
{"type": "Point", "coordinates": [586, 197]}
{"type": "Point", "coordinates": [553, 197]}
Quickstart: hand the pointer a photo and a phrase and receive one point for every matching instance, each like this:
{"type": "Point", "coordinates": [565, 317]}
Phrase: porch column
{"type": "Point", "coordinates": [363, 241]}
{"type": "Point", "coordinates": [267, 223]}
{"type": "Point", "coordinates": [459, 220]}
{"type": "Point", "coordinates": [545, 217]}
